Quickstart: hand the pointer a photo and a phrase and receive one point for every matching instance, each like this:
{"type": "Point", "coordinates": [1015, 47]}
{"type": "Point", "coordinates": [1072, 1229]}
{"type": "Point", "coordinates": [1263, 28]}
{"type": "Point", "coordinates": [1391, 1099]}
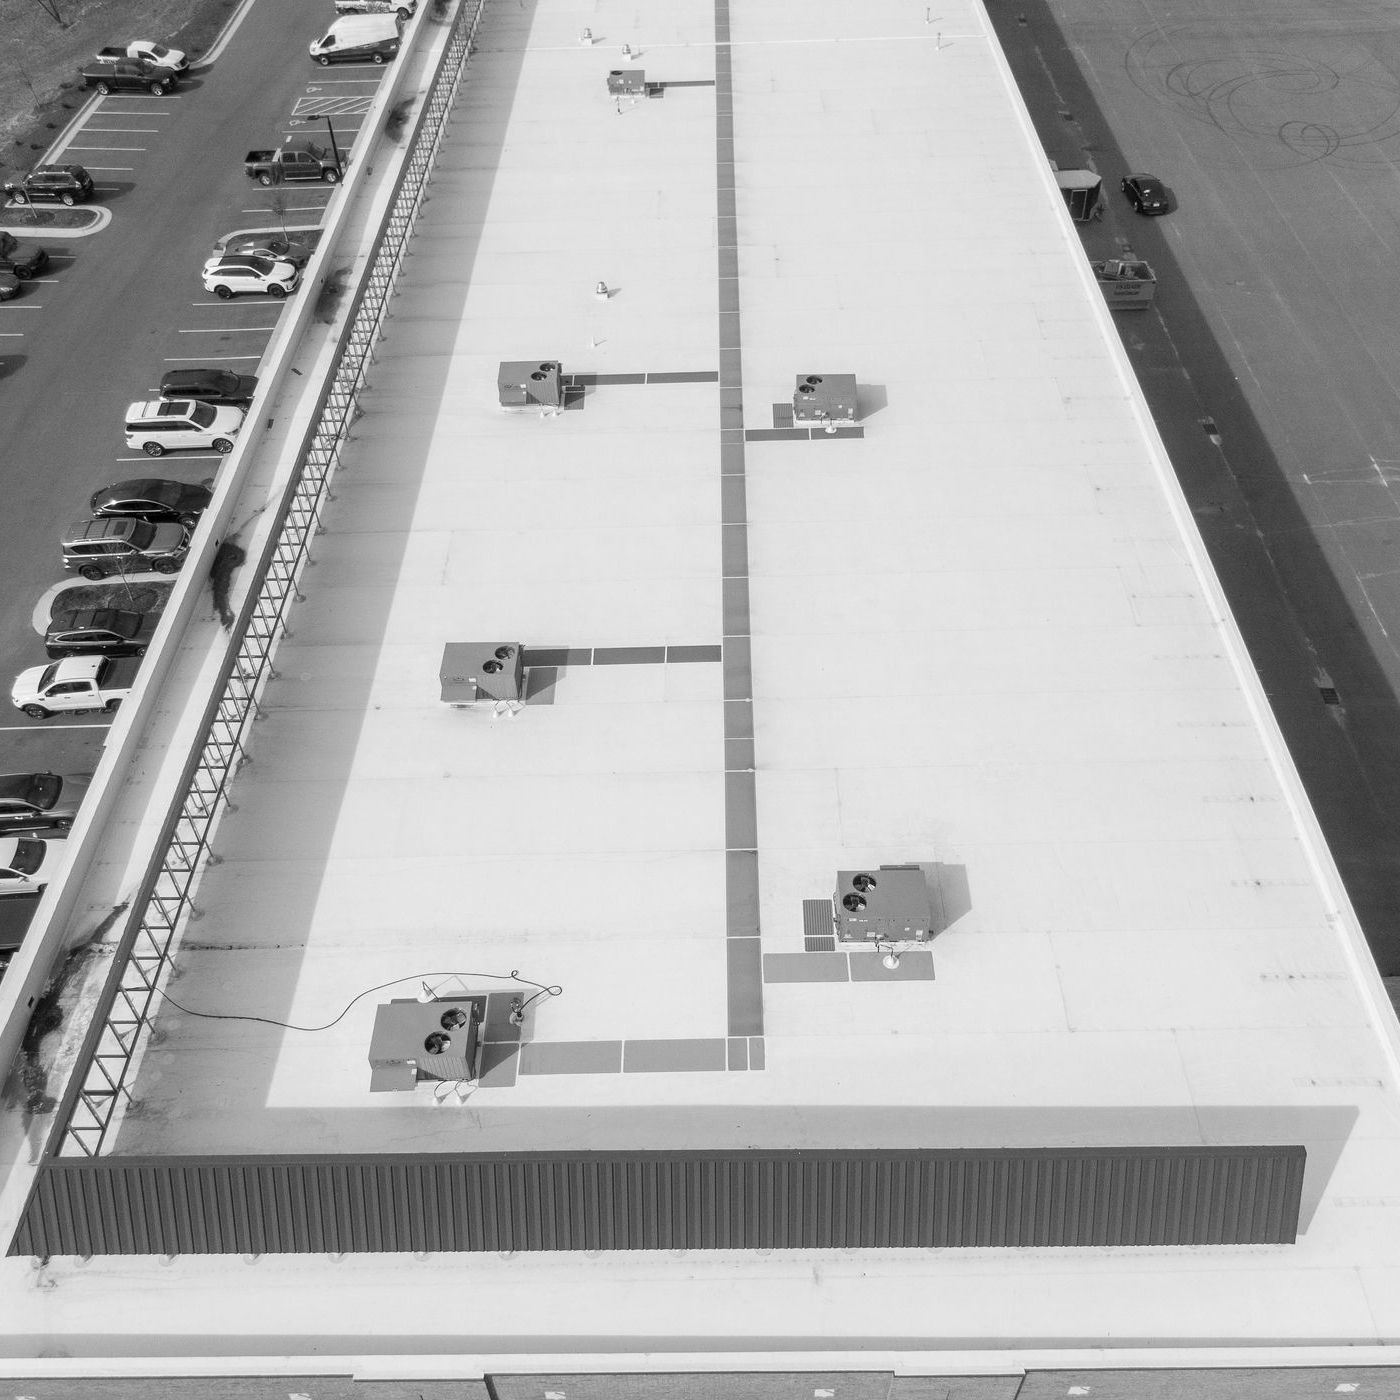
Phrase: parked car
{"type": "Point", "coordinates": [96, 548]}
{"type": "Point", "coordinates": [61, 184]}
{"type": "Point", "coordinates": [214, 386]}
{"type": "Point", "coordinates": [128, 75]}
{"type": "Point", "coordinates": [40, 801]}
{"type": "Point", "coordinates": [149, 51]}
{"type": "Point", "coordinates": [230, 274]}
{"type": "Point", "coordinates": [359, 38]}
{"type": "Point", "coordinates": [171, 425]}
{"type": "Point", "coordinates": [9, 286]}
{"type": "Point", "coordinates": [99, 632]}
{"type": "Point", "coordinates": [403, 8]}
{"type": "Point", "coordinates": [270, 246]}
{"type": "Point", "coordinates": [151, 498]}
{"type": "Point", "coordinates": [1146, 193]}
{"type": "Point", "coordinates": [22, 259]}
{"type": "Point", "coordinates": [28, 863]}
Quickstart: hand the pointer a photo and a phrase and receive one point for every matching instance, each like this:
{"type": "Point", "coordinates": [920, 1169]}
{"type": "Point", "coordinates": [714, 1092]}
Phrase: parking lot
{"type": "Point", "coordinates": [122, 303]}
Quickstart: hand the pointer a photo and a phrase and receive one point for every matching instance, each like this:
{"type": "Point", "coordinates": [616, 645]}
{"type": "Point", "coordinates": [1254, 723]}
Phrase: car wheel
{"type": "Point", "coordinates": [189, 521]}
{"type": "Point", "coordinates": [103, 89]}
{"type": "Point", "coordinates": [403, 15]}
{"type": "Point", "coordinates": [276, 290]}
{"type": "Point", "coordinates": [19, 197]}
{"type": "Point", "coordinates": [224, 292]}
{"type": "Point", "coordinates": [36, 711]}
{"type": "Point", "coordinates": [166, 566]}
{"type": "Point", "coordinates": [377, 58]}
{"type": "Point", "coordinates": [324, 62]}
{"type": "Point", "coordinates": [23, 273]}
{"type": "Point", "coordinates": [222, 446]}
{"type": "Point", "coordinates": [265, 178]}
{"type": "Point", "coordinates": [330, 176]}
{"type": "Point", "coordinates": [63, 824]}
{"type": "Point", "coordinates": [93, 571]}
{"type": "Point", "coordinates": [157, 89]}
{"type": "Point", "coordinates": [112, 706]}
{"type": "Point", "coordinates": [140, 651]}
{"type": "Point", "coordinates": [67, 199]}
{"type": "Point", "coordinates": [152, 449]}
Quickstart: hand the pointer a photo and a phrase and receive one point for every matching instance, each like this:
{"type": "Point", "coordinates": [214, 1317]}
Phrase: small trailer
{"type": "Point", "coordinates": [1083, 192]}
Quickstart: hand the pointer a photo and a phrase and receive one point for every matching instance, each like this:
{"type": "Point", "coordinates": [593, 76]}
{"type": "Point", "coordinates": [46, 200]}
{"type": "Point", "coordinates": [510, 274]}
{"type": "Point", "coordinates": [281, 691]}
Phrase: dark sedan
{"type": "Point", "coordinates": [152, 499]}
{"type": "Point", "coordinates": [39, 802]}
{"type": "Point", "coordinates": [208, 385]}
{"type": "Point", "coordinates": [1146, 193]}
{"type": "Point", "coordinates": [99, 632]}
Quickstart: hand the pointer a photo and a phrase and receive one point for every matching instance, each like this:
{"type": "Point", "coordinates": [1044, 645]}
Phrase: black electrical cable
{"type": "Point", "coordinates": [424, 977]}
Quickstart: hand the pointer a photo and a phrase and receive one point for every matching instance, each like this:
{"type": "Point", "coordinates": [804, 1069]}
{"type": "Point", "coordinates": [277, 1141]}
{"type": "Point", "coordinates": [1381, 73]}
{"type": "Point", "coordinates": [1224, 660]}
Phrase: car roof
{"type": "Point", "coordinates": [243, 260]}
{"type": "Point", "coordinates": [20, 786]}
{"type": "Point", "coordinates": [102, 527]}
{"type": "Point", "coordinates": [146, 488]}
{"type": "Point", "coordinates": [85, 619]}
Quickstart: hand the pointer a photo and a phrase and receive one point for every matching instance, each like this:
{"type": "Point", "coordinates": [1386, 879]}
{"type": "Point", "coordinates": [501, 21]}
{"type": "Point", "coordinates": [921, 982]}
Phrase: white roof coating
{"type": "Point", "coordinates": [984, 640]}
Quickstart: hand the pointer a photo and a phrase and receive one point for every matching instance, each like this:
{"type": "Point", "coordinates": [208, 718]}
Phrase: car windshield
{"type": "Point", "coordinates": [160, 51]}
{"type": "Point", "coordinates": [202, 414]}
{"type": "Point", "coordinates": [37, 789]}
{"type": "Point", "coordinates": [28, 856]}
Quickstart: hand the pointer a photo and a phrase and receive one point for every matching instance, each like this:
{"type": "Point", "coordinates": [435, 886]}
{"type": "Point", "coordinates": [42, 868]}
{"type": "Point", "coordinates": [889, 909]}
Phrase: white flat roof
{"type": "Point", "coordinates": [984, 640]}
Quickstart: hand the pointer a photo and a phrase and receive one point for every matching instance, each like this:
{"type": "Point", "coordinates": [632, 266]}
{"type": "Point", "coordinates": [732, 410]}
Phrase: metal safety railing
{"type": "Point", "coordinates": [99, 1082]}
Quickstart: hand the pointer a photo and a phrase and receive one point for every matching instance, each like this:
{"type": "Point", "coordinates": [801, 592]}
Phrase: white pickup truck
{"type": "Point", "coordinates": [148, 51]}
{"type": "Point", "coordinates": [75, 685]}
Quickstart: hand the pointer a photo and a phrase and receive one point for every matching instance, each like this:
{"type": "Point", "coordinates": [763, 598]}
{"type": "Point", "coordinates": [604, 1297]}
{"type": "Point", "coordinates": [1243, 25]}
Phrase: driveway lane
{"type": "Point", "coordinates": [1275, 320]}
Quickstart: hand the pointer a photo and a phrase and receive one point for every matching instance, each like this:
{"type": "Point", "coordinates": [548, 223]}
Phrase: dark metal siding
{"type": "Point", "coordinates": [664, 1200]}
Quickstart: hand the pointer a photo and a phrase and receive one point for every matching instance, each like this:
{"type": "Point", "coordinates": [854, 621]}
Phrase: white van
{"type": "Point", "coordinates": [359, 39]}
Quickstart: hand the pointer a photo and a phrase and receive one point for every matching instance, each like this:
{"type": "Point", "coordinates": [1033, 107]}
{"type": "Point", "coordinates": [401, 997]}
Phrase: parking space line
{"type": "Point", "coordinates": [200, 359]}
{"type": "Point", "coordinates": [122, 130]}
{"type": "Point", "coordinates": [106, 148]}
{"type": "Point", "coordinates": [180, 460]}
{"type": "Point", "coordinates": [226, 330]}
{"type": "Point", "coordinates": [13, 335]}
{"type": "Point", "coordinates": [233, 305]}
{"type": "Point", "coordinates": [28, 306]}
{"type": "Point", "coordinates": [111, 169]}
{"type": "Point", "coordinates": [38, 723]}
{"type": "Point", "coordinates": [112, 112]}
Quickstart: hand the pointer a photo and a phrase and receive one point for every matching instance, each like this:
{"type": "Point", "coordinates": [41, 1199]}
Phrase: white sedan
{"type": "Point", "coordinates": [230, 274]}
{"type": "Point", "coordinates": [28, 863]}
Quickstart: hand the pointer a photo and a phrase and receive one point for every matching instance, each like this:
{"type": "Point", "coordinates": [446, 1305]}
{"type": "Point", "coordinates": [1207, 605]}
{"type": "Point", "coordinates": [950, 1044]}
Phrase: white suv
{"type": "Point", "coordinates": [228, 274]}
{"type": "Point", "coordinates": [169, 425]}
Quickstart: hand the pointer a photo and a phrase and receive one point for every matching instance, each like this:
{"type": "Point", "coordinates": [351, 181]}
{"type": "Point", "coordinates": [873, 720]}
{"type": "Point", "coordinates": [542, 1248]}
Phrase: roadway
{"type": "Point", "coordinates": [115, 310]}
{"type": "Point", "coordinates": [1269, 357]}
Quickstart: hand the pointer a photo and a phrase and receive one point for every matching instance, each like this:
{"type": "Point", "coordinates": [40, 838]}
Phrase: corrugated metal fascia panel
{"type": "Point", "coordinates": [703, 1200]}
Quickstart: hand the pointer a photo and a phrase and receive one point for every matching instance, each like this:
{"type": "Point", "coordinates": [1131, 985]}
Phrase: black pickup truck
{"type": "Point", "coordinates": [128, 75]}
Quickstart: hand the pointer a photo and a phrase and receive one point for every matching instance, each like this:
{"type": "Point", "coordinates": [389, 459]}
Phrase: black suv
{"type": "Point", "coordinates": [63, 184]}
{"type": "Point", "coordinates": [99, 632]}
{"type": "Point", "coordinates": [208, 385]}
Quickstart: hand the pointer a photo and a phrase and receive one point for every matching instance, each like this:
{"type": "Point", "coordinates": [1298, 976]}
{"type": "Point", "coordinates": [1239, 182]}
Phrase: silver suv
{"type": "Point", "coordinates": [102, 546]}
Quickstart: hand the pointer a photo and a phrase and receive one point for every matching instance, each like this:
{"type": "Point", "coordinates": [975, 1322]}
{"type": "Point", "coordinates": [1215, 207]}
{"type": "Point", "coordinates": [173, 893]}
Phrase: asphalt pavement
{"type": "Point", "coordinates": [1268, 358]}
{"type": "Point", "coordinates": [116, 309]}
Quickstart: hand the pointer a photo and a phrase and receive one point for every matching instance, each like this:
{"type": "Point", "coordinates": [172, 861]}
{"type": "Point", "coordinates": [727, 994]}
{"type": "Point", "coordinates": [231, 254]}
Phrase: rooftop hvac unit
{"type": "Point", "coordinates": [416, 1040]}
{"type": "Point", "coordinates": [824, 398]}
{"type": "Point", "coordinates": [889, 904]}
{"type": "Point", "coordinates": [472, 671]}
{"type": "Point", "coordinates": [530, 384]}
